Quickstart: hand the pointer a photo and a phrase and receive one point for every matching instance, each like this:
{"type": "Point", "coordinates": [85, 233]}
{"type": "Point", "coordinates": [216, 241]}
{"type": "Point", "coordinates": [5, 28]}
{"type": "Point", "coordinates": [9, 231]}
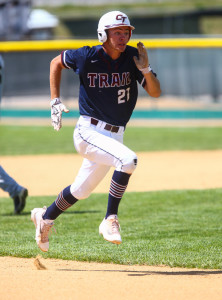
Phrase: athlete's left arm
{"type": "Point", "coordinates": [152, 85]}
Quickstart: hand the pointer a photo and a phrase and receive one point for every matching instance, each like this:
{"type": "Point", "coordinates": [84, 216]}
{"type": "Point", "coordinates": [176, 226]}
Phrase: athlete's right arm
{"type": "Point", "coordinates": [57, 107]}
{"type": "Point", "coordinates": [56, 67]}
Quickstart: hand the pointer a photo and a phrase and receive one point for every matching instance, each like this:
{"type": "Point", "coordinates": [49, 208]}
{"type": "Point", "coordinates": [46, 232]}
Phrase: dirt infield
{"type": "Point", "coordinates": [49, 174]}
{"type": "Point", "coordinates": [22, 279]}
{"type": "Point", "coordinates": [67, 280]}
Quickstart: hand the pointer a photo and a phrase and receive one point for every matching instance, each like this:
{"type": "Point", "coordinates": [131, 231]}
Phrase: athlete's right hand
{"type": "Point", "coordinates": [57, 107]}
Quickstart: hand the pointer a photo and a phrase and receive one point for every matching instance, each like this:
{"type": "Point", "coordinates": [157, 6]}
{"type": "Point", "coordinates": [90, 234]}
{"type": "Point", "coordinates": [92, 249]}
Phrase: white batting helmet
{"type": "Point", "coordinates": [110, 20]}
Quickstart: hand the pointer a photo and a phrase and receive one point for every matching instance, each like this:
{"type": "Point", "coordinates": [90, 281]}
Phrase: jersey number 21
{"type": "Point", "coordinates": [123, 95]}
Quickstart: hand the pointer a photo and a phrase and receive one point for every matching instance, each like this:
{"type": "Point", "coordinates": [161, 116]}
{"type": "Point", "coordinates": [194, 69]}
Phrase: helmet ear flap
{"type": "Point", "coordinates": [102, 36]}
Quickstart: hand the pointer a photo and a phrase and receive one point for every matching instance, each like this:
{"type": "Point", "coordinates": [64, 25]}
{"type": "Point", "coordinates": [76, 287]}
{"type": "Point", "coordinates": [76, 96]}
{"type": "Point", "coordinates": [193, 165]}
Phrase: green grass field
{"type": "Point", "coordinates": [21, 140]}
{"type": "Point", "coordinates": [174, 228]}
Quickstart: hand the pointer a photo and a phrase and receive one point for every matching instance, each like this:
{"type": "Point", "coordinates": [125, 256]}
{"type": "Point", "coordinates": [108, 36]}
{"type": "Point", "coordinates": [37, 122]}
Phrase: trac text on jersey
{"type": "Point", "coordinates": [109, 80]}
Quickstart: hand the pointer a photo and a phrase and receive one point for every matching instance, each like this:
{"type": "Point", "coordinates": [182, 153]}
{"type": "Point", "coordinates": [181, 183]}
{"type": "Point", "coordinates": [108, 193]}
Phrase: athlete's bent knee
{"type": "Point", "coordinates": [129, 164]}
{"type": "Point", "coordinates": [80, 193]}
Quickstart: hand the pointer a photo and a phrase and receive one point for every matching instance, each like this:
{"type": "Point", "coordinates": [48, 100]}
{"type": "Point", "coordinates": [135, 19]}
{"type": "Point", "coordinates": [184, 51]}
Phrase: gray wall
{"type": "Point", "coordinates": [182, 73]}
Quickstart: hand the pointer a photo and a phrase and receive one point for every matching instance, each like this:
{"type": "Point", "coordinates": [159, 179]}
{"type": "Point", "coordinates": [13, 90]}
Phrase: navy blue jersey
{"type": "Point", "coordinates": [108, 88]}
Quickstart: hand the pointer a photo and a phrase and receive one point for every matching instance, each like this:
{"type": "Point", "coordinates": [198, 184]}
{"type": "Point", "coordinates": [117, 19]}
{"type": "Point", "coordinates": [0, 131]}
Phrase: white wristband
{"type": "Point", "coordinates": [146, 70]}
{"type": "Point", "coordinates": [55, 101]}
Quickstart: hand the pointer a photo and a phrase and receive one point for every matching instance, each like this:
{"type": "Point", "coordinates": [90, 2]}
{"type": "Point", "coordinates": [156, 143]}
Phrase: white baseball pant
{"type": "Point", "coordinates": [101, 150]}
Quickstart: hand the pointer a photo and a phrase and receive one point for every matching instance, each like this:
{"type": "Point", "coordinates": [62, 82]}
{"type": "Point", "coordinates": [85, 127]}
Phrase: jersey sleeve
{"type": "Point", "coordinates": [66, 61]}
{"type": "Point", "coordinates": [71, 59]}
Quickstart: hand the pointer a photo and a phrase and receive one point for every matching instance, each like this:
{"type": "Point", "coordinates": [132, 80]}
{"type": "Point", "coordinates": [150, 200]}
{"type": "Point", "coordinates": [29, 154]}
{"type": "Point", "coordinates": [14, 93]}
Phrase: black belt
{"type": "Point", "coordinates": [108, 127]}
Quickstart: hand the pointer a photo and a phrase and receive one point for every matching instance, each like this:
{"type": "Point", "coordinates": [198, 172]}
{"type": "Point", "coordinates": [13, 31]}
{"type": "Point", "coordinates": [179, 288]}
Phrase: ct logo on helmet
{"type": "Point", "coordinates": [111, 19]}
{"type": "Point", "coordinates": [121, 17]}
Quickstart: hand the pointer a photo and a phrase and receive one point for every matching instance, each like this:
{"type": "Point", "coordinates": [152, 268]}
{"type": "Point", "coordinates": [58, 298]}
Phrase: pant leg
{"type": "Point", "coordinates": [8, 184]}
{"type": "Point", "coordinates": [101, 150]}
{"type": "Point", "coordinates": [89, 176]}
{"type": "Point", "coordinates": [104, 147]}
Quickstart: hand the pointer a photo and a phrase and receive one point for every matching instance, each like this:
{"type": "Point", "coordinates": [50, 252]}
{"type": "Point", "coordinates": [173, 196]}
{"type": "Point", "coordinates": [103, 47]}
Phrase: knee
{"type": "Point", "coordinates": [79, 193]}
{"type": "Point", "coordinates": [129, 164]}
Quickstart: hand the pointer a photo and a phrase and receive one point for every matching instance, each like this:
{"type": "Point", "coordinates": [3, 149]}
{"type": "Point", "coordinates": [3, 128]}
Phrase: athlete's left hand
{"type": "Point", "coordinates": [57, 107]}
{"type": "Point", "coordinates": [142, 61]}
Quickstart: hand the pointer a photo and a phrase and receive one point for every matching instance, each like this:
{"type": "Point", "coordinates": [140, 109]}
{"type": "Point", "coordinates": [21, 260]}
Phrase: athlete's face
{"type": "Point", "coordinates": [118, 38]}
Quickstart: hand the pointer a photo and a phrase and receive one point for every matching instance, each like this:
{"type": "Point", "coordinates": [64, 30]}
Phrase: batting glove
{"type": "Point", "coordinates": [57, 107]}
{"type": "Point", "coordinates": [142, 62]}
